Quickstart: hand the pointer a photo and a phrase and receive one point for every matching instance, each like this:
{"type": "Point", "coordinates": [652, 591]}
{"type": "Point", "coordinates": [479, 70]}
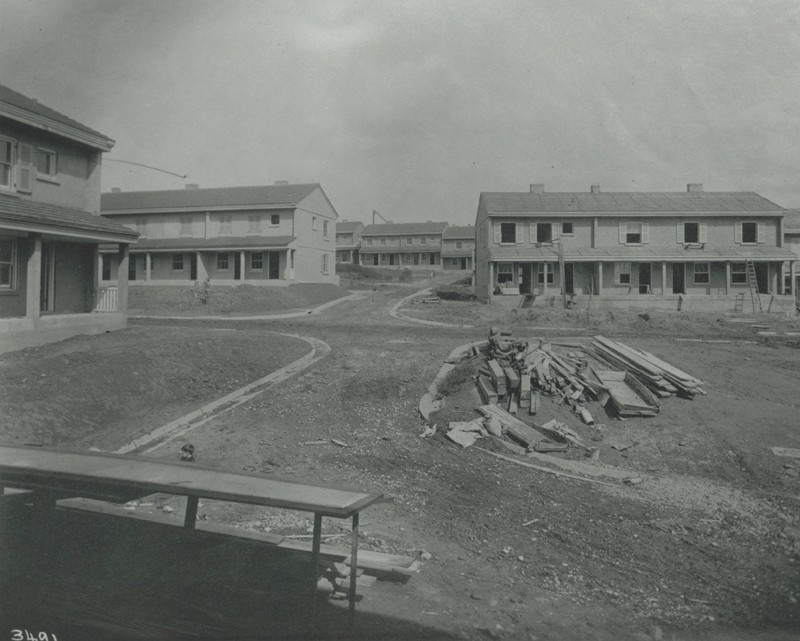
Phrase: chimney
{"type": "Point", "coordinates": [192, 186]}
{"type": "Point", "coordinates": [115, 190]}
{"type": "Point", "coordinates": [537, 189]}
{"type": "Point", "coordinates": [595, 189]}
{"type": "Point", "coordinates": [694, 187]}
{"type": "Point", "coordinates": [281, 182]}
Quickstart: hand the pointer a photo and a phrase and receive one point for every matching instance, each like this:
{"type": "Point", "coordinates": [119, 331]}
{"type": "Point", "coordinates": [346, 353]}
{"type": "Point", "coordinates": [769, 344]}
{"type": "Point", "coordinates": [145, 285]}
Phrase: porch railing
{"type": "Point", "coordinates": [107, 298]}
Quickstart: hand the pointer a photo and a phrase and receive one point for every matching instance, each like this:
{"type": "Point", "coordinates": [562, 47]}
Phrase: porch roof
{"type": "Point", "coordinates": [652, 253]}
{"type": "Point", "coordinates": [456, 253]}
{"type": "Point", "coordinates": [21, 214]}
{"type": "Point", "coordinates": [227, 243]}
{"type": "Point", "coordinates": [415, 249]}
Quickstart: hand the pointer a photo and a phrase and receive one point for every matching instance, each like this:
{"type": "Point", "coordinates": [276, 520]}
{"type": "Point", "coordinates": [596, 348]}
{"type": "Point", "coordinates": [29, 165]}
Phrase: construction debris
{"type": "Point", "coordinates": [466, 433]}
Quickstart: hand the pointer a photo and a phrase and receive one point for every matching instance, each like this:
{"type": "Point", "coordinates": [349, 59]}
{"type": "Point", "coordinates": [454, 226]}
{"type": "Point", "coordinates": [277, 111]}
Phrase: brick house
{"type": "Point", "coordinates": [50, 227]}
{"type": "Point", "coordinates": [458, 247]}
{"type": "Point", "coordinates": [400, 245]}
{"type": "Point", "coordinates": [264, 235]}
{"type": "Point", "coordinates": [690, 249]}
{"type": "Point", "coordinates": [348, 241]}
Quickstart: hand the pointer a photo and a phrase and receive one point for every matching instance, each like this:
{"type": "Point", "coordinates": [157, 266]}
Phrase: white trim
{"type": "Point", "coordinates": [98, 141]}
{"type": "Point", "coordinates": [94, 236]}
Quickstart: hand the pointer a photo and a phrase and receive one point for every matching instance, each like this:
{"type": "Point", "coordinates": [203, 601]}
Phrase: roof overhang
{"type": "Point", "coordinates": [193, 208]}
{"type": "Point", "coordinates": [58, 231]}
{"type": "Point", "coordinates": [96, 141]}
{"type": "Point", "coordinates": [634, 214]}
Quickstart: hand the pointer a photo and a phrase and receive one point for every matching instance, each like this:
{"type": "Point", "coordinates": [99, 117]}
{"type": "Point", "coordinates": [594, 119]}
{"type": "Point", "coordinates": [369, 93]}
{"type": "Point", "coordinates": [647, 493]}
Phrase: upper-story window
{"type": "Point", "coordinates": [508, 232]}
{"type": "Point", "coordinates": [459, 244]}
{"type": "Point", "coordinates": [325, 229]}
{"type": "Point", "coordinates": [314, 223]}
{"type": "Point", "coordinates": [225, 224]}
{"type": "Point", "coordinates": [254, 223]}
{"type": "Point", "coordinates": [46, 162]}
{"type": "Point", "coordinates": [140, 227]}
{"type": "Point", "coordinates": [691, 233]}
{"type": "Point", "coordinates": [432, 239]}
{"type": "Point", "coordinates": [369, 242]}
{"type": "Point", "coordinates": [383, 241]}
{"type": "Point", "coordinates": [634, 233]}
{"type": "Point", "coordinates": [749, 232]}
{"type": "Point", "coordinates": [186, 226]}
{"type": "Point", "coordinates": [409, 240]}
{"type": "Point", "coordinates": [6, 163]}
{"type": "Point", "coordinates": [275, 219]}
{"type": "Point", "coordinates": [544, 233]}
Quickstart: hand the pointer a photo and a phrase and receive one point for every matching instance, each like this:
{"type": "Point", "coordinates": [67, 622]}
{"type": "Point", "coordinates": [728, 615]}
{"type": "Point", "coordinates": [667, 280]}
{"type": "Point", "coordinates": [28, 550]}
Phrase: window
{"type": "Point", "coordinates": [738, 274]}
{"type": "Point", "coordinates": [177, 262]}
{"type": "Point", "coordinates": [409, 240]}
{"type": "Point", "coordinates": [222, 262]}
{"type": "Point", "coordinates": [6, 163]}
{"type": "Point", "coordinates": [225, 224]}
{"type": "Point", "coordinates": [459, 244]}
{"type": "Point", "coordinates": [622, 273]}
{"type": "Point", "coordinates": [423, 240]}
{"type": "Point", "coordinates": [314, 223]}
{"type": "Point", "coordinates": [749, 232]}
{"type": "Point", "coordinates": [383, 241]}
{"type": "Point", "coordinates": [691, 233]}
{"type": "Point", "coordinates": [567, 229]}
{"type": "Point", "coordinates": [46, 162]}
{"type": "Point", "coordinates": [544, 233]}
{"type": "Point", "coordinates": [141, 227]}
{"type": "Point", "coordinates": [701, 274]}
{"type": "Point", "coordinates": [432, 239]}
{"type": "Point", "coordinates": [508, 232]}
{"type": "Point", "coordinates": [545, 271]}
{"type": "Point", "coordinates": [8, 251]}
{"type": "Point", "coordinates": [254, 223]}
{"type": "Point", "coordinates": [186, 226]}
{"type": "Point", "coordinates": [369, 242]}
{"type": "Point", "coordinates": [633, 233]}
{"type": "Point", "coordinates": [257, 261]}
{"type": "Point", "coordinates": [105, 269]}
{"type": "Point", "coordinates": [325, 229]}
{"type": "Point", "coordinates": [324, 263]}
{"type": "Point", "coordinates": [505, 273]}
{"type": "Point", "coordinates": [275, 219]}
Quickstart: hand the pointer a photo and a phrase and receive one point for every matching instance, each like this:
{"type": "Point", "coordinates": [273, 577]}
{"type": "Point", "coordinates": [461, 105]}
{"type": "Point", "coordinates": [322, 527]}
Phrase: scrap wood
{"type": "Point", "coordinates": [321, 441]}
{"type": "Point", "coordinates": [583, 468]}
{"type": "Point", "coordinates": [466, 433]}
{"type": "Point", "coordinates": [562, 433]}
{"type": "Point", "coordinates": [514, 427]}
{"type": "Point", "coordinates": [788, 452]}
{"type": "Point", "coordinates": [541, 468]}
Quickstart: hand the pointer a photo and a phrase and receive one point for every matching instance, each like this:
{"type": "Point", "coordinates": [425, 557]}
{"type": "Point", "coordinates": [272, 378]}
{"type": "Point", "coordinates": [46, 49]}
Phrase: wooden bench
{"type": "Point", "coordinates": [57, 475]}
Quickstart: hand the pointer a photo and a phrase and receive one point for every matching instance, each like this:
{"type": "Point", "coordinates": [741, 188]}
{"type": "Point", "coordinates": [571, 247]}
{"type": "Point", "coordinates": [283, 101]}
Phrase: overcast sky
{"type": "Point", "coordinates": [415, 107]}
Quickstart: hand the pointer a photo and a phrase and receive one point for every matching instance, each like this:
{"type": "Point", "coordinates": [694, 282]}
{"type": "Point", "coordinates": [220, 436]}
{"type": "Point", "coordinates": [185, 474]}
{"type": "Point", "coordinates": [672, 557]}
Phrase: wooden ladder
{"type": "Point", "coordinates": [752, 282]}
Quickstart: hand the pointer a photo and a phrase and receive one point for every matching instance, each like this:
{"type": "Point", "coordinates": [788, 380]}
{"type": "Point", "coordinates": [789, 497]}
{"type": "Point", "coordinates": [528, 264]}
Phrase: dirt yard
{"type": "Point", "coordinates": [707, 546]}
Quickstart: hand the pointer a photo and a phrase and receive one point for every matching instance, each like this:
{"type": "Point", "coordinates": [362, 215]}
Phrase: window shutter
{"type": "Point", "coordinates": [737, 233]}
{"type": "Point", "coordinates": [616, 272]}
{"type": "Point", "coordinates": [623, 230]}
{"type": "Point", "coordinates": [760, 232]}
{"type": "Point", "coordinates": [533, 233]}
{"type": "Point", "coordinates": [645, 233]}
{"type": "Point", "coordinates": [25, 168]}
{"type": "Point", "coordinates": [497, 236]}
{"type": "Point", "coordinates": [703, 233]}
{"type": "Point", "coordinates": [518, 233]}
{"type": "Point", "coordinates": [679, 229]}
{"type": "Point", "coordinates": [556, 233]}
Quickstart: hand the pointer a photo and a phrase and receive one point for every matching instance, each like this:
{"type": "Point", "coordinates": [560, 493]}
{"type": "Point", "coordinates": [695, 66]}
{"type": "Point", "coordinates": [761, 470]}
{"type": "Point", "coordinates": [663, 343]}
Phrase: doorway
{"type": "Point", "coordinates": [762, 277]}
{"type": "Point", "coordinates": [192, 266]}
{"type": "Point", "coordinates": [569, 278]}
{"type": "Point", "coordinates": [645, 274]}
{"type": "Point", "coordinates": [237, 266]}
{"type": "Point", "coordinates": [47, 278]}
{"type": "Point", "coordinates": [273, 265]}
{"type": "Point", "coordinates": [678, 278]}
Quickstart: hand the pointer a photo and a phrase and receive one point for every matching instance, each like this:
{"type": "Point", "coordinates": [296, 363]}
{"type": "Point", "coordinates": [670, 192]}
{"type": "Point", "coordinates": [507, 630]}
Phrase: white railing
{"type": "Point", "coordinates": [107, 299]}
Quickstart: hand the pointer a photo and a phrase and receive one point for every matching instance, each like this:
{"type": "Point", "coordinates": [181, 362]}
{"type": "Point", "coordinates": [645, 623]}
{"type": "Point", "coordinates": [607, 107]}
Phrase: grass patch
{"type": "Point", "coordinates": [455, 379]}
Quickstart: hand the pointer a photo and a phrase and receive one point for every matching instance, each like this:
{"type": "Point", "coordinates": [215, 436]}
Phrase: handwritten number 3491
{"type": "Point", "coordinates": [24, 635]}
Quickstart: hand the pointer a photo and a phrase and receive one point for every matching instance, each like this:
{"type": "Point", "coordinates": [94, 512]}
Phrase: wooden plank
{"type": "Point", "coordinates": [512, 379]}
{"type": "Point", "coordinates": [541, 468]}
{"type": "Point", "coordinates": [486, 390]}
{"type": "Point", "coordinates": [498, 377]}
{"type": "Point", "coordinates": [519, 431]}
{"type": "Point", "coordinates": [788, 452]}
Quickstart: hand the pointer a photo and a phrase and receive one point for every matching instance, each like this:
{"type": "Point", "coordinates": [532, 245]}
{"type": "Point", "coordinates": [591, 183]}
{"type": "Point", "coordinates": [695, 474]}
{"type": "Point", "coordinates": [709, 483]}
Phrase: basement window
{"type": "Point", "coordinates": [508, 232]}
{"type": "Point", "coordinates": [738, 274]}
{"type": "Point", "coordinates": [701, 274]}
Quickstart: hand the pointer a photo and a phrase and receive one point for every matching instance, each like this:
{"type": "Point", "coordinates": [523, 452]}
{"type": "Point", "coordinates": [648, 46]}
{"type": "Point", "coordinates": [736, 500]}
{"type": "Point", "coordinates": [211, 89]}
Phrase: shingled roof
{"type": "Point", "coordinates": [615, 203]}
{"type": "Point", "coordinates": [397, 229]}
{"type": "Point", "coordinates": [268, 196]}
{"type": "Point", "coordinates": [791, 221]}
{"type": "Point", "coordinates": [459, 232]}
{"type": "Point", "coordinates": [31, 215]}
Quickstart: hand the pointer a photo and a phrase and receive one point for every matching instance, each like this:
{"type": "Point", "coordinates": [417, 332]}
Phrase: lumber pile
{"type": "Point", "coordinates": [657, 375]}
{"type": "Point", "coordinates": [627, 395]}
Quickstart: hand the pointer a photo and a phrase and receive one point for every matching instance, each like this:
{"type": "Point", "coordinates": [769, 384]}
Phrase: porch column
{"type": "Point", "coordinates": [242, 264]}
{"type": "Point", "coordinates": [491, 283]}
{"type": "Point", "coordinates": [727, 277]}
{"type": "Point", "coordinates": [202, 272]}
{"type": "Point", "coordinates": [774, 276]}
{"type": "Point", "coordinates": [33, 298]}
{"type": "Point", "coordinates": [793, 277]}
{"type": "Point", "coordinates": [122, 279]}
{"type": "Point", "coordinates": [547, 267]}
{"type": "Point", "coordinates": [148, 266]}
{"type": "Point", "coordinates": [599, 279]}
{"type": "Point", "coordinates": [96, 276]}
{"type": "Point", "coordinates": [663, 278]}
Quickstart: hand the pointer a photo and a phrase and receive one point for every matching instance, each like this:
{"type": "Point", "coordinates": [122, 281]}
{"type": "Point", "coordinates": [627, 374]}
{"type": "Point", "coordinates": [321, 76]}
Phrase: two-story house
{"type": "Point", "coordinates": [50, 228]}
{"type": "Point", "coordinates": [264, 235]}
{"type": "Point", "coordinates": [411, 245]}
{"type": "Point", "coordinates": [348, 241]}
{"type": "Point", "coordinates": [673, 250]}
{"type": "Point", "coordinates": [791, 240]}
{"type": "Point", "coordinates": [458, 246]}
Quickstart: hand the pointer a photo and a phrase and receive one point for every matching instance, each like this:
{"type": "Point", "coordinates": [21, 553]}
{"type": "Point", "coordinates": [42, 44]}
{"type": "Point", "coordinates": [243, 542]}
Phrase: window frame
{"type": "Point", "coordinates": [11, 163]}
{"type": "Point", "coordinates": [706, 274]}
{"type": "Point", "coordinates": [755, 233]}
{"type": "Point", "coordinates": [629, 234]}
{"type": "Point", "coordinates": [739, 272]}
{"type": "Point", "coordinates": [686, 227]}
{"type": "Point", "coordinates": [225, 225]}
{"type": "Point", "coordinates": [223, 262]}
{"type": "Point", "coordinates": [383, 242]}
{"type": "Point", "coordinates": [256, 261]}
{"type": "Point", "coordinates": [540, 227]}
{"type": "Point", "coordinates": [254, 222]}
{"type": "Point", "coordinates": [503, 236]}
{"type": "Point", "coordinates": [274, 220]}
{"type": "Point", "coordinates": [409, 240]}
{"type": "Point", "coordinates": [423, 240]}
{"type": "Point", "coordinates": [325, 263]}
{"type": "Point", "coordinates": [623, 270]}
{"type": "Point", "coordinates": [186, 224]}
{"type": "Point", "coordinates": [543, 269]}
{"type": "Point", "coordinates": [459, 244]}
{"type": "Point", "coordinates": [313, 223]}
{"type": "Point", "coordinates": [177, 263]}
{"type": "Point", "coordinates": [51, 171]}
{"type": "Point", "coordinates": [105, 268]}
{"type": "Point", "coordinates": [505, 275]}
{"type": "Point", "coordinates": [325, 234]}
{"type": "Point", "coordinates": [564, 231]}
{"type": "Point", "coordinates": [12, 266]}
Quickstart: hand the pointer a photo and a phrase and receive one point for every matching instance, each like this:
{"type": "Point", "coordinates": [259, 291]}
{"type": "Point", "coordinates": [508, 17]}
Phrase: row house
{"type": "Point", "coordinates": [412, 245]}
{"type": "Point", "coordinates": [348, 241]}
{"type": "Point", "coordinates": [263, 235]}
{"type": "Point", "coordinates": [704, 248]}
{"type": "Point", "coordinates": [51, 230]}
{"type": "Point", "coordinates": [458, 248]}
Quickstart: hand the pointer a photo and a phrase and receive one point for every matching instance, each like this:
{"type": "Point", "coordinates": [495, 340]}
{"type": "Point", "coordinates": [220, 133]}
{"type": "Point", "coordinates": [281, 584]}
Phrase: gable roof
{"type": "Point", "coordinates": [454, 231]}
{"type": "Point", "coordinates": [30, 215]}
{"type": "Point", "coordinates": [348, 227]}
{"type": "Point", "coordinates": [265, 196]}
{"type": "Point", "coordinates": [15, 106]}
{"type": "Point", "coordinates": [615, 203]}
{"type": "Point", "coordinates": [396, 229]}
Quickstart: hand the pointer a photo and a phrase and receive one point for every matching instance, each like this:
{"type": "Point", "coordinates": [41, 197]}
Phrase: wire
{"type": "Point", "coordinates": [138, 164]}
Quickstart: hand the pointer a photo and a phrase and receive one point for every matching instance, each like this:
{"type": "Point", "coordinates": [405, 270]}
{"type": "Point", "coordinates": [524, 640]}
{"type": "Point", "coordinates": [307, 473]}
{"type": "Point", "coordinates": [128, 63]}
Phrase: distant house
{"type": "Point", "coordinates": [791, 240]}
{"type": "Point", "coordinates": [265, 235]}
{"type": "Point", "coordinates": [698, 249]}
{"type": "Point", "coordinates": [411, 245]}
{"type": "Point", "coordinates": [348, 241]}
{"type": "Point", "coordinates": [458, 247]}
{"type": "Point", "coordinates": [50, 227]}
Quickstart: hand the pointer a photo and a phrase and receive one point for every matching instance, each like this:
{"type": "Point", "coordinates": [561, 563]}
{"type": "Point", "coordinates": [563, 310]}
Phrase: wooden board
{"type": "Point", "coordinates": [55, 470]}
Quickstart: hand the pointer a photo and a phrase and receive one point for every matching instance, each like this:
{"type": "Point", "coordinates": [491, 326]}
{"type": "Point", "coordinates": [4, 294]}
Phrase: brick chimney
{"type": "Point", "coordinates": [537, 189]}
{"type": "Point", "coordinates": [192, 186]}
{"type": "Point", "coordinates": [694, 187]}
{"type": "Point", "coordinates": [595, 189]}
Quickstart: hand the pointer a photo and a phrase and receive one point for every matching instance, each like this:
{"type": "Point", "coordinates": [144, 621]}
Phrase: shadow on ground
{"type": "Point", "coordinates": [83, 577]}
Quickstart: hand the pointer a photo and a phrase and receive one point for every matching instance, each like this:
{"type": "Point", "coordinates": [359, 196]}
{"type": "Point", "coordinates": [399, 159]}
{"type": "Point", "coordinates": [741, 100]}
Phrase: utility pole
{"type": "Point", "coordinates": [376, 213]}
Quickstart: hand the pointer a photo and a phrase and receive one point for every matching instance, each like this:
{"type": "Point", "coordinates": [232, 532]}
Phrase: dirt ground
{"type": "Point", "coordinates": [706, 547]}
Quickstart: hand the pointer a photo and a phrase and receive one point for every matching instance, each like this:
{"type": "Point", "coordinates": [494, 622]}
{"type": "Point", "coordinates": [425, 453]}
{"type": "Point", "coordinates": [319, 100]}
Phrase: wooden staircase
{"type": "Point", "coordinates": [753, 284]}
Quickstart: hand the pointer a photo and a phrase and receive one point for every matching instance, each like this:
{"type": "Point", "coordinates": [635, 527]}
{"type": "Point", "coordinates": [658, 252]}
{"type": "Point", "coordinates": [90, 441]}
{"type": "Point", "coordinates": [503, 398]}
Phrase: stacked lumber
{"type": "Point", "coordinates": [627, 395]}
{"type": "Point", "coordinates": [657, 375]}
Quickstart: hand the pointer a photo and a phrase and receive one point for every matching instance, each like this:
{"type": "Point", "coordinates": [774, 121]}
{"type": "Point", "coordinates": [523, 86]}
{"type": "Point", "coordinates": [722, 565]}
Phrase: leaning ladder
{"type": "Point", "coordinates": [753, 283]}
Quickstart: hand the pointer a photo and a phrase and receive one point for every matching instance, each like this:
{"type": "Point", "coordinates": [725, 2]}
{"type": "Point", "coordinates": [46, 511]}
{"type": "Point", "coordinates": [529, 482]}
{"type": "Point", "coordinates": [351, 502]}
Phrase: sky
{"type": "Point", "coordinates": [412, 108]}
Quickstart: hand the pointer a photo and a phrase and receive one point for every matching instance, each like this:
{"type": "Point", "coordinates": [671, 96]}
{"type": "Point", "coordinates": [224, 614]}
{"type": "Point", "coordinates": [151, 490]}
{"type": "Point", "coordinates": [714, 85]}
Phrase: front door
{"type": "Point", "coordinates": [237, 266]}
{"type": "Point", "coordinates": [375, 260]}
{"type": "Point", "coordinates": [193, 266]}
{"type": "Point", "coordinates": [463, 263]}
{"type": "Point", "coordinates": [47, 278]}
{"type": "Point", "coordinates": [644, 278]}
{"type": "Point", "coordinates": [525, 278]}
{"type": "Point", "coordinates": [762, 277]}
{"type": "Point", "coordinates": [274, 265]}
{"type": "Point", "coordinates": [678, 278]}
{"type": "Point", "coordinates": [569, 278]}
